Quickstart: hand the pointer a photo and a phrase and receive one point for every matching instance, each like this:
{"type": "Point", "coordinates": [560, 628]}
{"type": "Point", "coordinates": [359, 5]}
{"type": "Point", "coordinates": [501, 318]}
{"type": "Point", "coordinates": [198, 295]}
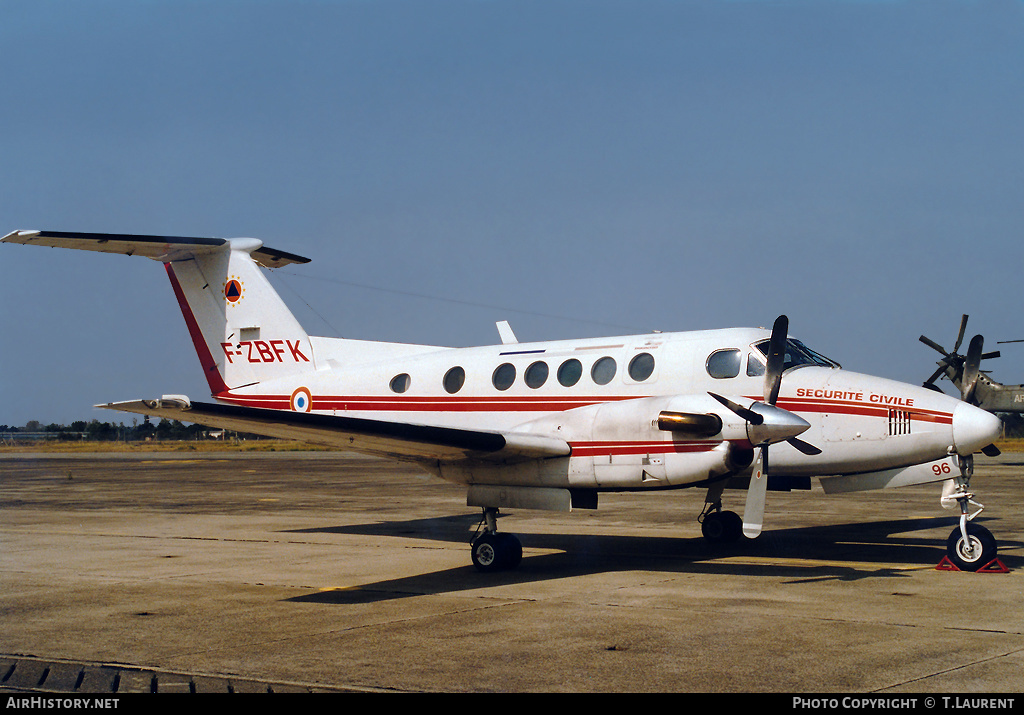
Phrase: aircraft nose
{"type": "Point", "coordinates": [974, 428]}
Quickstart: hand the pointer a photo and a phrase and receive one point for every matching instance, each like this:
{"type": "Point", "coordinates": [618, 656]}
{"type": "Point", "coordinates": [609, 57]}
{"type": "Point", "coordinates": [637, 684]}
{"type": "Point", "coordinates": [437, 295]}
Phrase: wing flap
{"type": "Point", "coordinates": [397, 440]}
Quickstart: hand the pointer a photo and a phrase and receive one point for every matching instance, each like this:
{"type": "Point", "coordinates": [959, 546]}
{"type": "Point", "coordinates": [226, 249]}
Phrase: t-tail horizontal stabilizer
{"type": "Point", "coordinates": [160, 248]}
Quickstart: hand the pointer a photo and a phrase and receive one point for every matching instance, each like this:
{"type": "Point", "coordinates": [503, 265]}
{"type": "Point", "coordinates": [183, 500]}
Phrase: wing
{"type": "Point", "coordinates": [396, 440]}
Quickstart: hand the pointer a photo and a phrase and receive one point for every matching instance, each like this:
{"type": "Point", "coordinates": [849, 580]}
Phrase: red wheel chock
{"type": "Point", "coordinates": [993, 566]}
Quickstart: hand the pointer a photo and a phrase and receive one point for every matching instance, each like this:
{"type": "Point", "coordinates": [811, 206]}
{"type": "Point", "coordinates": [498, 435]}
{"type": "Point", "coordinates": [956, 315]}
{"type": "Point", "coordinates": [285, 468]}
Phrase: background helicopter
{"type": "Point", "coordinates": [965, 373]}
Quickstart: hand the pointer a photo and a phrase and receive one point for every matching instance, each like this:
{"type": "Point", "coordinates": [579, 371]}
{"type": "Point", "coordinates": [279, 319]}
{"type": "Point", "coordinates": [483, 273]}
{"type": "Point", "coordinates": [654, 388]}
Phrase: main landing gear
{"type": "Point", "coordinates": [717, 526]}
{"type": "Point", "coordinates": [492, 551]}
{"type": "Point", "coordinates": [720, 527]}
{"type": "Point", "coordinates": [970, 546]}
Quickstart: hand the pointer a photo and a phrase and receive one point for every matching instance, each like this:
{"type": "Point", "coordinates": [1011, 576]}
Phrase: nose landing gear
{"type": "Point", "coordinates": [970, 546]}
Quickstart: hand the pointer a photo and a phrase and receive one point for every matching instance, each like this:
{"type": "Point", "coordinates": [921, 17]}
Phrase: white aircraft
{"type": "Point", "coordinates": [550, 425]}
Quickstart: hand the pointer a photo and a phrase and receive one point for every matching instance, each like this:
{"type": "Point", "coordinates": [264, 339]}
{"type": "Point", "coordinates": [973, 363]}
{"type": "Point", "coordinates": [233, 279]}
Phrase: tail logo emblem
{"type": "Point", "coordinates": [233, 290]}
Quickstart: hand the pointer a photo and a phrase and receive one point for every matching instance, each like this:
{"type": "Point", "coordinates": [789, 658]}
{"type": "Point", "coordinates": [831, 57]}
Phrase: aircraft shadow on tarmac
{"type": "Point", "coordinates": [843, 552]}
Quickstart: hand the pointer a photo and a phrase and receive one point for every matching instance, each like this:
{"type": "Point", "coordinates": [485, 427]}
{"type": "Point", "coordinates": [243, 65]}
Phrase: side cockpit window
{"type": "Point", "coordinates": [724, 363]}
{"type": "Point", "coordinates": [755, 366]}
{"type": "Point", "coordinates": [798, 355]}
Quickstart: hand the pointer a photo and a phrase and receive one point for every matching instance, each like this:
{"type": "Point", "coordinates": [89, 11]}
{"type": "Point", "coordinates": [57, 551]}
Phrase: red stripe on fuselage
{"type": "Point", "coordinates": [602, 449]}
{"type": "Point", "coordinates": [534, 403]}
{"type": "Point", "coordinates": [862, 409]}
{"type": "Point", "coordinates": [387, 403]}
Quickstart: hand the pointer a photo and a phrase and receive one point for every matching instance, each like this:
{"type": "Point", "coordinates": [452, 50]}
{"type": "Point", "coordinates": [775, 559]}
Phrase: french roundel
{"type": "Point", "coordinates": [301, 400]}
{"type": "Point", "coordinates": [233, 290]}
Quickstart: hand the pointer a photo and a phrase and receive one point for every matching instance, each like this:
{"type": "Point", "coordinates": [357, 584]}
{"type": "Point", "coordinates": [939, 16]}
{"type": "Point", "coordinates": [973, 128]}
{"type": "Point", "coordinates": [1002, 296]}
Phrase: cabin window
{"type": "Point", "coordinates": [641, 367]}
{"type": "Point", "coordinates": [536, 375]}
{"type": "Point", "coordinates": [400, 383]}
{"type": "Point", "coordinates": [724, 363]}
{"type": "Point", "coordinates": [454, 379]}
{"type": "Point", "coordinates": [570, 372]}
{"type": "Point", "coordinates": [504, 375]}
{"type": "Point", "coordinates": [603, 370]}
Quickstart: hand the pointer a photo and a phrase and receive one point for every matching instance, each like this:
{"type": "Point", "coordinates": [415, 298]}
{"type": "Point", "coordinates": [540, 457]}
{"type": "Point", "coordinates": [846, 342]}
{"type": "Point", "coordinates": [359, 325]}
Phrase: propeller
{"type": "Point", "coordinates": [768, 424]}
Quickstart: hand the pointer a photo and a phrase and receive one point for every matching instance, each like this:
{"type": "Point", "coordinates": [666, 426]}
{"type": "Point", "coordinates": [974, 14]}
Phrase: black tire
{"type": "Point", "coordinates": [495, 552]}
{"type": "Point", "coordinates": [982, 541]}
{"type": "Point", "coordinates": [511, 550]}
{"type": "Point", "coordinates": [733, 525]}
{"type": "Point", "coordinates": [722, 527]}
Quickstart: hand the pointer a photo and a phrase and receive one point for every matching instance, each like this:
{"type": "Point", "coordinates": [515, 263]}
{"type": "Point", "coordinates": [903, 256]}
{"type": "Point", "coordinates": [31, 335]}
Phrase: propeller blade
{"type": "Point", "coordinates": [749, 415]}
{"type": "Point", "coordinates": [991, 355]}
{"type": "Point", "coordinates": [753, 512]}
{"type": "Point", "coordinates": [960, 337]}
{"type": "Point", "coordinates": [971, 369]}
{"type": "Point", "coordinates": [991, 451]}
{"type": "Point", "coordinates": [776, 360]}
{"type": "Point", "coordinates": [805, 447]}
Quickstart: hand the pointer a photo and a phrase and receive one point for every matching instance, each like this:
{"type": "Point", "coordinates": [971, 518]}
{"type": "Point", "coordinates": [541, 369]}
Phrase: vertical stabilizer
{"type": "Point", "coordinates": [242, 330]}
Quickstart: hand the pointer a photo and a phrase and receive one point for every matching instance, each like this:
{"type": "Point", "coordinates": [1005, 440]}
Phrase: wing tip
{"type": "Point", "coordinates": [25, 235]}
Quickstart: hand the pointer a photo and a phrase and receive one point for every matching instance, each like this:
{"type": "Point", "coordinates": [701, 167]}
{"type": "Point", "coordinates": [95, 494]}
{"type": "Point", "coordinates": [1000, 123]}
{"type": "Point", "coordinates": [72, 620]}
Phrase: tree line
{"type": "Point", "coordinates": [96, 431]}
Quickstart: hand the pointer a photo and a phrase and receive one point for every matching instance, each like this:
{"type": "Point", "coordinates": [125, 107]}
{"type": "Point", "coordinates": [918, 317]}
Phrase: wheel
{"type": "Point", "coordinates": [722, 527]}
{"type": "Point", "coordinates": [484, 552]}
{"type": "Point", "coordinates": [493, 552]}
{"type": "Point", "coordinates": [971, 556]}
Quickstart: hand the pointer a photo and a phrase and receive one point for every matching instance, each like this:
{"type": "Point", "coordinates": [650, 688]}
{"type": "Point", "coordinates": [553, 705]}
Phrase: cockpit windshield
{"type": "Point", "coordinates": [798, 355]}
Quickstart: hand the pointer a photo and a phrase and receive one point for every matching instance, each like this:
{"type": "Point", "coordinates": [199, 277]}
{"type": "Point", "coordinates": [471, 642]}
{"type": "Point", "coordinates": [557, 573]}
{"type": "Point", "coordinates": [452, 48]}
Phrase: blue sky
{"type": "Point", "coordinates": [577, 168]}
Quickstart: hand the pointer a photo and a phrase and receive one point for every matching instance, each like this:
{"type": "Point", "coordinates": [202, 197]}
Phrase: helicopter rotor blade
{"type": "Point", "coordinates": [933, 345]}
{"type": "Point", "coordinates": [960, 336]}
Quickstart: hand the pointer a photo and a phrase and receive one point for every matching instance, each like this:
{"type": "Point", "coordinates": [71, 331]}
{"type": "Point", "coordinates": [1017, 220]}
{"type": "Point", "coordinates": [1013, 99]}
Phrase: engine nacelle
{"type": "Point", "coordinates": [696, 464]}
{"type": "Point", "coordinates": [650, 443]}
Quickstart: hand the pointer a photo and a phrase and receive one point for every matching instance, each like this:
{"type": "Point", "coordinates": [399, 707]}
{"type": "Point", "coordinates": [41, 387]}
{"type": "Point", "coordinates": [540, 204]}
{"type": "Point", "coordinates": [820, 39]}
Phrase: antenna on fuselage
{"type": "Point", "coordinates": [505, 331]}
